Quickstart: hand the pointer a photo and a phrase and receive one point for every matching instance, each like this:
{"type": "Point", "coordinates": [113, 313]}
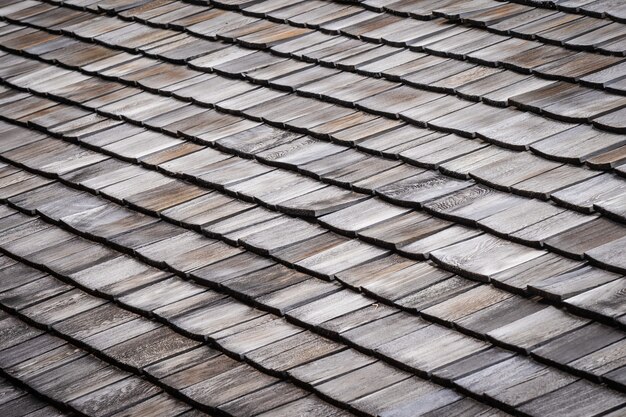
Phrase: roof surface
{"type": "Point", "coordinates": [312, 208]}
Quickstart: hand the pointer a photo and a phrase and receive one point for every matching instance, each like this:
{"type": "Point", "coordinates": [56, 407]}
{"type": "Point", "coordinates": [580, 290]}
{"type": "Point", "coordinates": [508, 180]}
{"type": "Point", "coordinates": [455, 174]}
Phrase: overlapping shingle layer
{"type": "Point", "coordinates": [284, 208]}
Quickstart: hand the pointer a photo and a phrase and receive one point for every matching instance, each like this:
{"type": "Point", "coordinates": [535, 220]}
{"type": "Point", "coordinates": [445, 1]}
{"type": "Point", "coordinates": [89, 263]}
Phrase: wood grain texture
{"type": "Point", "coordinates": [312, 208]}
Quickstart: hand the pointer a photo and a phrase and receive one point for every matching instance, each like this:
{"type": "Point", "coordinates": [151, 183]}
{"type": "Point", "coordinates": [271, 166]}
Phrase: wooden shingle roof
{"type": "Point", "coordinates": [312, 208]}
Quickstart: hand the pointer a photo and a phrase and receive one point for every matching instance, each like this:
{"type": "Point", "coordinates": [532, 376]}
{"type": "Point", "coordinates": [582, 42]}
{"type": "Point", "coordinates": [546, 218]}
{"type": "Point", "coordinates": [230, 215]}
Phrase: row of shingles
{"type": "Point", "coordinates": [490, 48]}
{"type": "Point", "coordinates": [260, 54]}
{"type": "Point", "coordinates": [520, 21]}
{"type": "Point", "coordinates": [595, 8]}
{"type": "Point", "coordinates": [201, 375]}
{"type": "Point", "coordinates": [506, 20]}
{"type": "Point", "coordinates": [290, 202]}
{"type": "Point", "coordinates": [423, 155]}
{"type": "Point", "coordinates": [260, 243]}
{"type": "Point", "coordinates": [497, 16]}
{"type": "Point", "coordinates": [422, 79]}
{"type": "Point", "coordinates": [521, 56]}
{"type": "Point", "coordinates": [499, 392]}
{"type": "Point", "coordinates": [451, 9]}
{"type": "Point", "coordinates": [548, 168]}
{"type": "Point", "coordinates": [382, 105]}
{"type": "Point", "coordinates": [508, 133]}
{"type": "Point", "coordinates": [58, 364]}
{"type": "Point", "coordinates": [68, 376]}
{"type": "Point", "coordinates": [585, 136]}
{"type": "Point", "coordinates": [331, 221]}
{"type": "Point", "coordinates": [334, 150]}
{"type": "Point", "coordinates": [607, 138]}
{"type": "Point", "coordinates": [429, 73]}
{"type": "Point", "coordinates": [15, 402]}
{"type": "Point", "coordinates": [250, 338]}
